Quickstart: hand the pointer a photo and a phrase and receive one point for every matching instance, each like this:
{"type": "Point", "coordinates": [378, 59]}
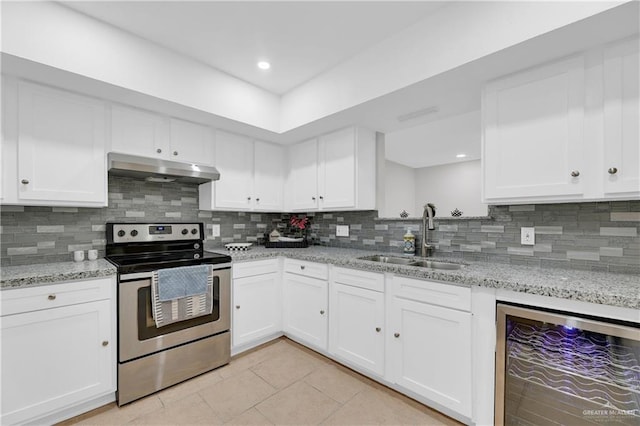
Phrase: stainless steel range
{"type": "Point", "coordinates": [153, 355]}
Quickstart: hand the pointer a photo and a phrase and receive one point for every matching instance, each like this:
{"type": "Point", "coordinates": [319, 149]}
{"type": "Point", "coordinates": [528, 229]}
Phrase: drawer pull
{"type": "Point", "coordinates": [301, 266]}
{"type": "Point", "coordinates": [237, 306]}
{"type": "Point", "coordinates": [378, 329]}
{"type": "Point", "coordinates": [612, 170]}
{"type": "Point", "coordinates": [321, 312]}
{"type": "Point", "coordinates": [52, 297]}
{"type": "Point", "coordinates": [575, 173]}
{"type": "Point", "coordinates": [105, 343]}
{"type": "Point", "coordinates": [396, 335]}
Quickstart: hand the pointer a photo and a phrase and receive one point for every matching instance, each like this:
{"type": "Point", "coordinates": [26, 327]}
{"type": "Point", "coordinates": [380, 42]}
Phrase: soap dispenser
{"type": "Point", "coordinates": [409, 243]}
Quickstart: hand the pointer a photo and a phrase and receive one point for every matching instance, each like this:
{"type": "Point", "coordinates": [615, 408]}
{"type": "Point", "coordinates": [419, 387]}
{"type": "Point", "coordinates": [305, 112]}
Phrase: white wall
{"type": "Point", "coordinates": [54, 35]}
{"type": "Point", "coordinates": [399, 188]}
{"type": "Point", "coordinates": [450, 186]}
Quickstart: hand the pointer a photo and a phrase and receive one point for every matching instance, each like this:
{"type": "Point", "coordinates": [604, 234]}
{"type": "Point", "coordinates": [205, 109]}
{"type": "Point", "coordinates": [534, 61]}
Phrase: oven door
{"type": "Point", "coordinates": [137, 332]}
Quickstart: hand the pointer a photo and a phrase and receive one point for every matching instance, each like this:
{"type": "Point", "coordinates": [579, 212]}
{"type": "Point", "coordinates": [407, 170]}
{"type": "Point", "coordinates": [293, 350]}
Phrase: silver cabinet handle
{"type": "Point", "coordinates": [378, 329]}
{"type": "Point", "coordinates": [612, 170]}
{"type": "Point", "coordinates": [105, 343]}
{"type": "Point", "coordinates": [321, 312]}
{"type": "Point", "coordinates": [52, 297]}
{"type": "Point", "coordinates": [237, 306]}
{"type": "Point", "coordinates": [575, 173]}
{"type": "Point", "coordinates": [25, 181]}
{"type": "Point", "coordinates": [396, 335]}
{"type": "Point", "coordinates": [175, 152]}
{"type": "Point", "coordinates": [159, 151]}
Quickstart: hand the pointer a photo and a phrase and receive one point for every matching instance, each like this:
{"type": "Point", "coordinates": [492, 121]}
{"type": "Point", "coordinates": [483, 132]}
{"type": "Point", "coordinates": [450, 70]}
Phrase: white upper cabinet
{"type": "Point", "coordinates": [533, 134]}
{"type": "Point", "coordinates": [251, 175]}
{"type": "Point", "coordinates": [146, 134]}
{"type": "Point", "coordinates": [621, 169]}
{"type": "Point", "coordinates": [566, 131]}
{"type": "Point", "coordinates": [138, 132]}
{"type": "Point", "coordinates": [268, 183]}
{"type": "Point", "coordinates": [302, 187]}
{"type": "Point", "coordinates": [191, 142]}
{"type": "Point", "coordinates": [334, 172]}
{"type": "Point", "coordinates": [60, 148]}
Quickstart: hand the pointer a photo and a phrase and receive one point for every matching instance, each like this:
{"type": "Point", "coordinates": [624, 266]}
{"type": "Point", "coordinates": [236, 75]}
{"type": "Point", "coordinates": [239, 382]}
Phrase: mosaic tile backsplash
{"type": "Point", "coordinates": [592, 236]}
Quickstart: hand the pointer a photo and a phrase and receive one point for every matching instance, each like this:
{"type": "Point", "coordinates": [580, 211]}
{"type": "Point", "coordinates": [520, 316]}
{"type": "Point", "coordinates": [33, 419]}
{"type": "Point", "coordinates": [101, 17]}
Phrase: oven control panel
{"type": "Point", "coordinates": [150, 232]}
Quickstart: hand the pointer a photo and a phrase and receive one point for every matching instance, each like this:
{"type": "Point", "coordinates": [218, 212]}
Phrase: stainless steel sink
{"type": "Point", "coordinates": [389, 259]}
{"type": "Point", "coordinates": [432, 264]}
{"type": "Point", "coordinates": [422, 263]}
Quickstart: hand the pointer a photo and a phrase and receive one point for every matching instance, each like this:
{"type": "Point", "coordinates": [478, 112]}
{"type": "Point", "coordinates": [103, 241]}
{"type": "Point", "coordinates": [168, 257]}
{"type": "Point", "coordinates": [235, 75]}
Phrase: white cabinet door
{"type": "Point", "coordinates": [305, 309]}
{"type": "Point", "coordinates": [337, 170]}
{"type": "Point", "coordinates": [268, 185]}
{"type": "Point", "coordinates": [533, 134]}
{"type": "Point", "coordinates": [234, 161]}
{"type": "Point", "coordinates": [138, 132]}
{"type": "Point", "coordinates": [303, 175]}
{"type": "Point", "coordinates": [257, 310]}
{"type": "Point", "coordinates": [191, 142]}
{"type": "Point", "coordinates": [356, 326]}
{"type": "Point", "coordinates": [621, 169]}
{"type": "Point", "coordinates": [431, 351]}
{"type": "Point", "coordinates": [61, 148]}
{"type": "Point", "coordinates": [54, 358]}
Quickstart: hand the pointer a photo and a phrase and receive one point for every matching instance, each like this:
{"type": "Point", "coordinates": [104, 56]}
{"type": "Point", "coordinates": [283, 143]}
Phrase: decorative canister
{"type": "Point", "coordinates": [409, 243]}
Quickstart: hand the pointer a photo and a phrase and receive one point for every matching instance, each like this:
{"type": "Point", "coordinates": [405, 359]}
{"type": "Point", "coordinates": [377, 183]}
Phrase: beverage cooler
{"type": "Point", "coordinates": [555, 368]}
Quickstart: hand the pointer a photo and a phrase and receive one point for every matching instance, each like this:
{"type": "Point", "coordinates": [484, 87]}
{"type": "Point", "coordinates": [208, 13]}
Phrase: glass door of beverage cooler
{"type": "Point", "coordinates": [559, 369]}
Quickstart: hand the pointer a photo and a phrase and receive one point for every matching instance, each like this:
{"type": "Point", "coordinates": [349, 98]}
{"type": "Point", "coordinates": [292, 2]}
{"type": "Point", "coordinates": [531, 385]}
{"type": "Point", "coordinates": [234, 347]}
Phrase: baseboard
{"type": "Point", "coordinates": [75, 410]}
{"type": "Point", "coordinates": [236, 350]}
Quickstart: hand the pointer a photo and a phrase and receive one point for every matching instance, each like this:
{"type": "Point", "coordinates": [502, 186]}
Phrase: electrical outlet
{"type": "Point", "coordinates": [527, 236]}
{"type": "Point", "coordinates": [215, 230]}
{"type": "Point", "coordinates": [342, 230]}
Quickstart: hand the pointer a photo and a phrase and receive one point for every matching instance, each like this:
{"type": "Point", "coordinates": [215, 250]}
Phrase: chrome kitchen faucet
{"type": "Point", "coordinates": [427, 225]}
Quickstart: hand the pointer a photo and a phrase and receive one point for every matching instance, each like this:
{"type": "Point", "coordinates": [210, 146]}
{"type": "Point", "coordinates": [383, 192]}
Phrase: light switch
{"type": "Point", "coordinates": [342, 230]}
{"type": "Point", "coordinates": [528, 236]}
{"type": "Point", "coordinates": [215, 230]}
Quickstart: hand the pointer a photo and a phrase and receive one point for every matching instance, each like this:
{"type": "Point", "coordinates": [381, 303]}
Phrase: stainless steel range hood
{"type": "Point", "coordinates": [158, 170]}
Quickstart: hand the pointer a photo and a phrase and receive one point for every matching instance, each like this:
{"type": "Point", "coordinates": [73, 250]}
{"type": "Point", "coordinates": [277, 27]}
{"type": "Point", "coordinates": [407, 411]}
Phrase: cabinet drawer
{"type": "Point", "coordinates": [447, 295]}
{"type": "Point", "coordinates": [308, 269]}
{"type": "Point", "coordinates": [259, 267]}
{"type": "Point", "coordinates": [55, 295]}
{"type": "Point", "coordinates": [357, 278]}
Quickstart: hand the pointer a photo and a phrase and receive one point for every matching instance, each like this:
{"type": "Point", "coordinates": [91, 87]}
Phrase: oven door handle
{"type": "Point", "coordinates": [149, 274]}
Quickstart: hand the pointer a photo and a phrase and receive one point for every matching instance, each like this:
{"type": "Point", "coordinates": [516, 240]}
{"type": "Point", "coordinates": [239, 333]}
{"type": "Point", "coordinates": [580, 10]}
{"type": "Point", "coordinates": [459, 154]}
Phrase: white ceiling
{"type": "Point", "coordinates": [300, 39]}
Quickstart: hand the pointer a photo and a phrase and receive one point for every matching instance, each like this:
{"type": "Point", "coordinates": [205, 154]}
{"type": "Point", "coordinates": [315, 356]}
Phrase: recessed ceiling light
{"type": "Point", "coordinates": [264, 65]}
{"type": "Point", "coordinates": [461, 155]}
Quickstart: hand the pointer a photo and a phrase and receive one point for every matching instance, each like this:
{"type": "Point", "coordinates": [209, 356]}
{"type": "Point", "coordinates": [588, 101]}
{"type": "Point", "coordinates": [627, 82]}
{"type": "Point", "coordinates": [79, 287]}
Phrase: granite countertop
{"type": "Point", "coordinates": [595, 287]}
{"type": "Point", "coordinates": [47, 273]}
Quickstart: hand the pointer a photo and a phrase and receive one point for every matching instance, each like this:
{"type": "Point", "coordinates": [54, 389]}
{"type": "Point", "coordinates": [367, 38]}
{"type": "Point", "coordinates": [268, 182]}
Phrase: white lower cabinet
{"type": "Point", "coordinates": [430, 349]}
{"type": "Point", "coordinates": [58, 349]}
{"type": "Point", "coordinates": [306, 305]}
{"type": "Point", "coordinates": [257, 302]}
{"type": "Point", "coordinates": [356, 320]}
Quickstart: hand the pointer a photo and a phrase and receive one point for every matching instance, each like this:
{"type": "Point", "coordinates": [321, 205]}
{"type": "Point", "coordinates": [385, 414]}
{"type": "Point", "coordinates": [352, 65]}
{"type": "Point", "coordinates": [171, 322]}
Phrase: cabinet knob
{"type": "Point", "coordinates": [159, 151]}
{"type": "Point", "coordinates": [396, 335]}
{"type": "Point", "coordinates": [105, 343]}
{"type": "Point", "coordinates": [301, 266]}
{"type": "Point", "coordinates": [175, 152]}
{"type": "Point", "coordinates": [25, 181]}
{"type": "Point", "coordinates": [313, 198]}
{"type": "Point", "coordinates": [321, 198]}
{"type": "Point", "coordinates": [575, 173]}
{"type": "Point", "coordinates": [237, 306]}
{"type": "Point", "coordinates": [257, 200]}
{"type": "Point", "coordinates": [248, 198]}
{"type": "Point", "coordinates": [612, 170]}
{"type": "Point", "coordinates": [52, 297]}
{"type": "Point", "coordinates": [321, 312]}
{"type": "Point", "coordinates": [378, 329]}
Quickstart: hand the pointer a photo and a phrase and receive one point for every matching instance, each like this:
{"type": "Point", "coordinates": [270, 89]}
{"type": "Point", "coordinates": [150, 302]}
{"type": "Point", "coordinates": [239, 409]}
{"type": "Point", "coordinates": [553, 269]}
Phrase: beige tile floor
{"type": "Point", "coordinates": [281, 383]}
